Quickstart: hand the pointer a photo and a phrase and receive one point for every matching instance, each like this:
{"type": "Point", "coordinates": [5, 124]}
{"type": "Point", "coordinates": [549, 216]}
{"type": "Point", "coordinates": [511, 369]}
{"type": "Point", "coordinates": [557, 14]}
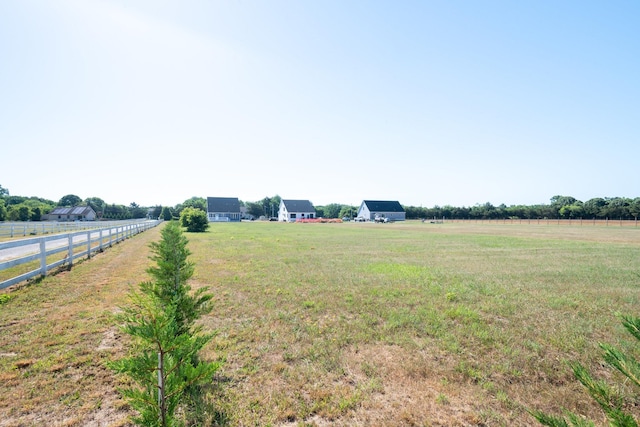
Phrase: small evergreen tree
{"type": "Point", "coordinates": [161, 320]}
{"type": "Point", "coordinates": [195, 220]}
{"type": "Point", "coordinates": [607, 398]}
{"type": "Point", "coordinates": [171, 273]}
{"type": "Point", "coordinates": [164, 364]}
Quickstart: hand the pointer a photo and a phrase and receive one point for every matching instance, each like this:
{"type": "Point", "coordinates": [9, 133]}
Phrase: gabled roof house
{"type": "Point", "coordinates": [76, 213]}
{"type": "Point", "coordinates": [223, 209]}
{"type": "Point", "coordinates": [390, 209]}
{"type": "Point", "coordinates": [293, 210]}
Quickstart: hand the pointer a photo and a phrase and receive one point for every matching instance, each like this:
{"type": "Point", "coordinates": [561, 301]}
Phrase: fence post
{"type": "Point", "coordinates": [89, 244]}
{"type": "Point", "coordinates": [70, 254]}
{"type": "Point", "coordinates": [43, 257]}
{"type": "Point", "coordinates": [100, 245]}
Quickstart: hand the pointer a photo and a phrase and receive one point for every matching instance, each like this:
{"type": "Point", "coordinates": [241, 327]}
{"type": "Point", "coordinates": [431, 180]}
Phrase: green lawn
{"type": "Point", "coordinates": [350, 324]}
{"type": "Point", "coordinates": [320, 320]}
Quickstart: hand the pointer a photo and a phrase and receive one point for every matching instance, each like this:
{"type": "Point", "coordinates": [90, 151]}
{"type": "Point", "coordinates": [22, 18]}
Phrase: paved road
{"type": "Point", "coordinates": [21, 251]}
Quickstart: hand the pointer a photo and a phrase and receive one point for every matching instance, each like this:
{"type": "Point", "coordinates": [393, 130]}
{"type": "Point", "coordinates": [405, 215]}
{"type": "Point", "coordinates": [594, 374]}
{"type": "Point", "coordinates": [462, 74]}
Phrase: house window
{"type": "Point", "coordinates": [293, 216]}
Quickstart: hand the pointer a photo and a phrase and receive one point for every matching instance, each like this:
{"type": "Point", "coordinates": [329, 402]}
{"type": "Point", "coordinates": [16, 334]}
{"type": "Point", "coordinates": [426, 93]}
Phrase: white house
{"type": "Point", "coordinates": [76, 213]}
{"type": "Point", "coordinates": [293, 210]}
{"type": "Point", "coordinates": [392, 210]}
{"type": "Point", "coordinates": [223, 209]}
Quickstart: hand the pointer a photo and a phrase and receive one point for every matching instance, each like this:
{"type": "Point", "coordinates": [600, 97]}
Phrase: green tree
{"type": "Point", "coordinates": [3, 191]}
{"type": "Point", "coordinates": [3, 211]}
{"type": "Point", "coordinates": [171, 273]}
{"type": "Point", "coordinates": [113, 211]}
{"type": "Point", "coordinates": [255, 209]}
{"type": "Point", "coordinates": [166, 214]}
{"type": "Point", "coordinates": [161, 320]}
{"type": "Point", "coordinates": [617, 207]}
{"type": "Point", "coordinates": [97, 204]}
{"type": "Point", "coordinates": [608, 399]}
{"type": "Point", "coordinates": [196, 203]}
{"type": "Point", "coordinates": [14, 200]}
{"type": "Point", "coordinates": [270, 205]}
{"type": "Point", "coordinates": [156, 212]}
{"type": "Point", "coordinates": [634, 208]}
{"type": "Point", "coordinates": [194, 220]}
{"type": "Point", "coordinates": [24, 213]}
{"type": "Point", "coordinates": [485, 211]}
{"type": "Point", "coordinates": [332, 210]}
{"type": "Point", "coordinates": [70, 200]}
{"type": "Point", "coordinates": [348, 211]}
{"type": "Point", "coordinates": [136, 211]}
{"type": "Point", "coordinates": [558, 202]}
{"type": "Point", "coordinates": [572, 211]}
{"type": "Point", "coordinates": [164, 365]}
{"type": "Point", "coordinates": [593, 207]}
{"type": "Point", "coordinates": [36, 214]}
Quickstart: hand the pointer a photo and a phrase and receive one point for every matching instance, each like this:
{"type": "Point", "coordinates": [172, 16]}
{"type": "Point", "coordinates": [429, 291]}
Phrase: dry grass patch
{"type": "Point", "coordinates": [410, 388]}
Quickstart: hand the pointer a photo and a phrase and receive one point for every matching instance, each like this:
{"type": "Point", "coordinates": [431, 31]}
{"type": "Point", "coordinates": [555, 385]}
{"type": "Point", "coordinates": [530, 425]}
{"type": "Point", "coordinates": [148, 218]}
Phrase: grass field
{"type": "Point", "coordinates": [344, 324]}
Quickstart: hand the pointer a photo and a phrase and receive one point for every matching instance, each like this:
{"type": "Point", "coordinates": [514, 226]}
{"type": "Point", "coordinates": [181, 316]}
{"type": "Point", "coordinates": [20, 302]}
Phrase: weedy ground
{"type": "Point", "coordinates": [344, 324]}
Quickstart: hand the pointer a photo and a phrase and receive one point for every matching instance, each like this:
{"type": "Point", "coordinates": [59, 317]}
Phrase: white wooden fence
{"type": "Point", "coordinates": [34, 228]}
{"type": "Point", "coordinates": [75, 245]}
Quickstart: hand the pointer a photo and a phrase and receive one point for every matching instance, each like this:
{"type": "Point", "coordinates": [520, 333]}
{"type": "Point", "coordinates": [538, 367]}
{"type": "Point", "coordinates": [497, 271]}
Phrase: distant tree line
{"type": "Point", "coordinates": [18, 208]}
{"type": "Point", "coordinates": [21, 208]}
{"type": "Point", "coordinates": [560, 207]}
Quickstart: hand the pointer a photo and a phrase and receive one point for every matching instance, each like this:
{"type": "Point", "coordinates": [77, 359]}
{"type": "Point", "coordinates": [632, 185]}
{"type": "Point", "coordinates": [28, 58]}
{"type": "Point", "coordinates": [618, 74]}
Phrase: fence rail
{"type": "Point", "coordinates": [54, 251]}
{"type": "Point", "coordinates": [33, 228]}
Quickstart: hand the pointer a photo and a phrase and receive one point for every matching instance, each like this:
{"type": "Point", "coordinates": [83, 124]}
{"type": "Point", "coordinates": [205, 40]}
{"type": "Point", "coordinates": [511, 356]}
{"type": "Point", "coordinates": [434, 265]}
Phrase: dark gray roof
{"type": "Point", "coordinates": [223, 204]}
{"type": "Point", "coordinates": [383, 206]}
{"type": "Point", "coordinates": [298, 206]}
{"type": "Point", "coordinates": [76, 210]}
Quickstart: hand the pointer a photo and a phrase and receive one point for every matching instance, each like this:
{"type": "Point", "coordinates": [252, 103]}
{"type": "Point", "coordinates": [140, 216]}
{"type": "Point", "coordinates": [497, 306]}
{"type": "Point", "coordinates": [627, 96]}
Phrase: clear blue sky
{"type": "Point", "coordinates": [424, 102]}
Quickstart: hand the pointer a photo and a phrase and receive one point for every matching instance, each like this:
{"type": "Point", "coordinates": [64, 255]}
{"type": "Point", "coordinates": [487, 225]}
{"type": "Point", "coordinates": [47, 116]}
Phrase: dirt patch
{"type": "Point", "coordinates": [108, 414]}
{"type": "Point", "coordinates": [110, 341]}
